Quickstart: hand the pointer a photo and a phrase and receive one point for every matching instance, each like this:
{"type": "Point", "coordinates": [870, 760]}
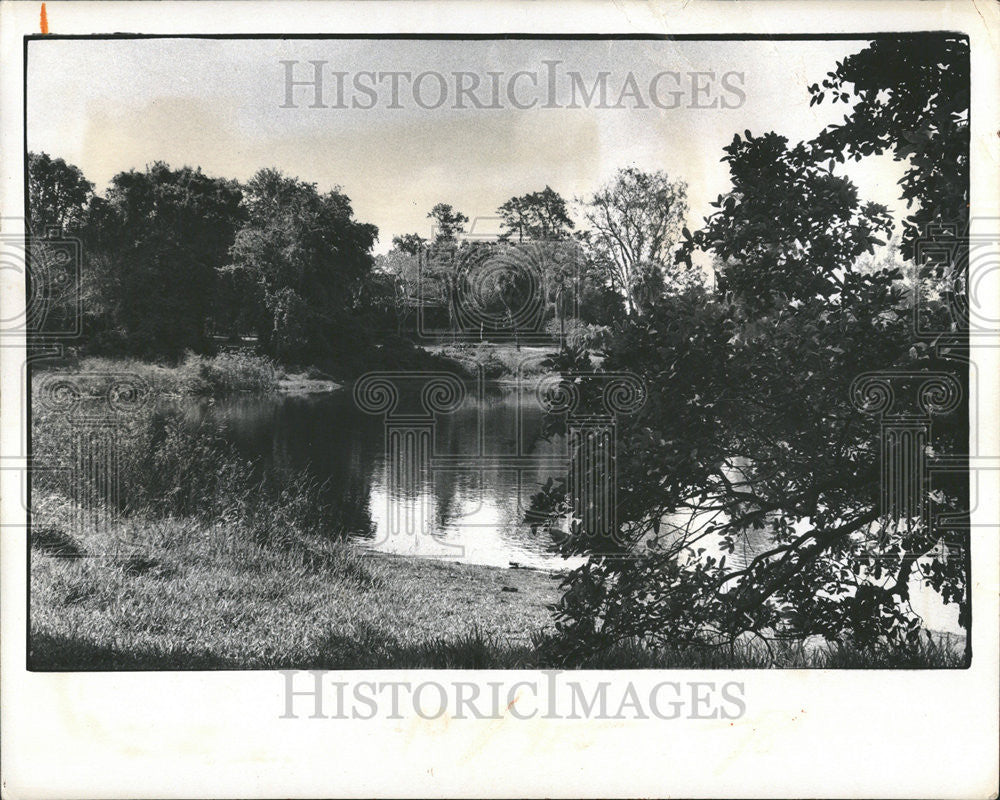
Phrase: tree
{"type": "Point", "coordinates": [635, 221]}
{"type": "Point", "coordinates": [58, 194]}
{"type": "Point", "coordinates": [789, 229]}
{"type": "Point", "coordinates": [398, 274]}
{"type": "Point", "coordinates": [910, 96]}
{"type": "Point", "coordinates": [442, 260]}
{"type": "Point", "coordinates": [537, 215]}
{"type": "Point", "coordinates": [308, 259]}
{"type": "Point", "coordinates": [153, 245]}
{"type": "Point", "coordinates": [542, 220]}
{"type": "Point", "coordinates": [750, 485]}
{"type": "Point", "coordinates": [410, 243]}
{"type": "Point", "coordinates": [449, 224]}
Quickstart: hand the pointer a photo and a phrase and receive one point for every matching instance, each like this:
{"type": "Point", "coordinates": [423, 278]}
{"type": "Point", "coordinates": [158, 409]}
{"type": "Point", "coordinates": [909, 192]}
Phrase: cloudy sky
{"type": "Point", "coordinates": [108, 106]}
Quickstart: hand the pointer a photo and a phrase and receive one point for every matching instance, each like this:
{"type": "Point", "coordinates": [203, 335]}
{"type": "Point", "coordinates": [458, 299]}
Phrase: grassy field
{"type": "Point", "coordinates": [187, 594]}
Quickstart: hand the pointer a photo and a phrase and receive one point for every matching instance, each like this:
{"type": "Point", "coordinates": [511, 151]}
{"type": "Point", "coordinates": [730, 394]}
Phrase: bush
{"type": "Point", "coordinates": [227, 373]}
{"type": "Point", "coordinates": [169, 467]}
{"type": "Point", "coordinates": [580, 335]}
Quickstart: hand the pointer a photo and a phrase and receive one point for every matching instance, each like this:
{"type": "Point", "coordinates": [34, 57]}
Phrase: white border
{"type": "Point", "coordinates": [809, 733]}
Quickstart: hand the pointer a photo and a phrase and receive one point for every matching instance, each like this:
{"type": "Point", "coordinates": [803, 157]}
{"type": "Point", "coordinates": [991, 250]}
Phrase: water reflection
{"type": "Point", "coordinates": [488, 458]}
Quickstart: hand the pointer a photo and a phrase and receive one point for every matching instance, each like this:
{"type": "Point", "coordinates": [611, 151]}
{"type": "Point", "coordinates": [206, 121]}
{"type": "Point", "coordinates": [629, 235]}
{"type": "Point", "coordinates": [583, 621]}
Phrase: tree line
{"type": "Point", "coordinates": [175, 259]}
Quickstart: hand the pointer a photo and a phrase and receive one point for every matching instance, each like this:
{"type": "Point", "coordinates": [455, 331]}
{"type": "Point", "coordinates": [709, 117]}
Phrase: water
{"type": "Point", "coordinates": [487, 460]}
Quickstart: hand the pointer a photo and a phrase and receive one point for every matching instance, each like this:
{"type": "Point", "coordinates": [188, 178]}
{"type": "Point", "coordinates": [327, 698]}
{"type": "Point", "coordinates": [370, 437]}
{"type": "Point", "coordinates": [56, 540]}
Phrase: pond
{"type": "Point", "coordinates": [487, 459]}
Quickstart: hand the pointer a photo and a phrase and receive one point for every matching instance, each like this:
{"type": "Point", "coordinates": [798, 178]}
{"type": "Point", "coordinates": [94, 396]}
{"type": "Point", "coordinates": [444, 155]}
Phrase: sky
{"type": "Point", "coordinates": [113, 105]}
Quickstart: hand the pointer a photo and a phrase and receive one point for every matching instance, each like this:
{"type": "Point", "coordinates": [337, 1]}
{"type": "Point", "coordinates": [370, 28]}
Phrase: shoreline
{"type": "Point", "coordinates": [199, 594]}
{"type": "Point", "coordinates": [204, 595]}
{"type": "Point", "coordinates": [242, 373]}
{"type": "Point", "coordinates": [513, 566]}
{"type": "Point", "coordinates": [296, 385]}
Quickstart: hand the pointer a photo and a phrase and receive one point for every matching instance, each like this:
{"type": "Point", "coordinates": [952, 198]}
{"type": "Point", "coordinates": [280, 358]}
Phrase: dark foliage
{"type": "Point", "coordinates": [749, 483]}
{"type": "Point", "coordinates": [153, 246]}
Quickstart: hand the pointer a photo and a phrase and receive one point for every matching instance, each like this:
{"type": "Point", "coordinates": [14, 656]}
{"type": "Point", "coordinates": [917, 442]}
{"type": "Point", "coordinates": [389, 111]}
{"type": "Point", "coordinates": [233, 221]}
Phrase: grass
{"type": "Point", "coordinates": [749, 653]}
{"type": "Point", "coordinates": [222, 374]}
{"type": "Point", "coordinates": [186, 593]}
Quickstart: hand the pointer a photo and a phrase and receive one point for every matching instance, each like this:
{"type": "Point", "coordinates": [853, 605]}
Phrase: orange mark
{"type": "Point", "coordinates": [44, 20]}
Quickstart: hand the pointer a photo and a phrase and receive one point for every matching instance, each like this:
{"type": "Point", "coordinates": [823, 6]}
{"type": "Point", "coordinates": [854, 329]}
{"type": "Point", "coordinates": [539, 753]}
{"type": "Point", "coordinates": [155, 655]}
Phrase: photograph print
{"type": "Point", "coordinates": [499, 352]}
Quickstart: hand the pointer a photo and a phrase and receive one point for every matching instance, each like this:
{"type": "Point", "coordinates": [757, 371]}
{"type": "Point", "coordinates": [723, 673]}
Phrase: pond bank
{"type": "Point", "coordinates": [197, 376]}
{"type": "Point", "coordinates": [188, 594]}
{"type": "Point", "coordinates": [300, 384]}
{"type": "Point", "coordinates": [243, 372]}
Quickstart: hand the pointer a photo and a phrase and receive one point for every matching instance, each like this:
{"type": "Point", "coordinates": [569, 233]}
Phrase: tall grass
{"type": "Point", "coordinates": [481, 649]}
{"type": "Point", "coordinates": [228, 373]}
{"type": "Point", "coordinates": [752, 653]}
{"type": "Point", "coordinates": [170, 466]}
{"type": "Point", "coordinates": [222, 374]}
{"type": "Point", "coordinates": [172, 567]}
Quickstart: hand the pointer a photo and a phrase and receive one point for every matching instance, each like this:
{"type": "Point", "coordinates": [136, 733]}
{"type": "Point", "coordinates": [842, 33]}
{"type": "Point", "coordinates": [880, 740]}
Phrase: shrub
{"type": "Point", "coordinates": [227, 373]}
{"type": "Point", "coordinates": [580, 335]}
{"type": "Point", "coordinates": [170, 467]}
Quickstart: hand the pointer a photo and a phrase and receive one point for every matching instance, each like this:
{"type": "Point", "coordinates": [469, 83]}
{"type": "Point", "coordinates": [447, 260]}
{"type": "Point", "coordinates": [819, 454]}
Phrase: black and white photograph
{"type": "Point", "coordinates": [650, 352]}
